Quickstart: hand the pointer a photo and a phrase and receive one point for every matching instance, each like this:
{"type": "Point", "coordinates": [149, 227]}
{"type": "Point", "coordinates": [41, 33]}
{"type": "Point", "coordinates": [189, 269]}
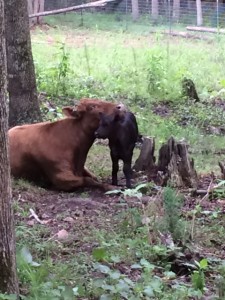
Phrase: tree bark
{"type": "Point", "coordinates": [135, 10]}
{"type": "Point", "coordinates": [146, 159]}
{"type": "Point", "coordinates": [23, 101]}
{"type": "Point", "coordinates": [35, 6]}
{"type": "Point", "coordinates": [222, 168]}
{"type": "Point", "coordinates": [199, 12]}
{"type": "Point", "coordinates": [175, 162]}
{"type": "Point", "coordinates": [8, 277]}
{"type": "Point", "coordinates": [155, 10]}
{"type": "Point", "coordinates": [176, 10]}
{"type": "Point", "coordinates": [30, 11]}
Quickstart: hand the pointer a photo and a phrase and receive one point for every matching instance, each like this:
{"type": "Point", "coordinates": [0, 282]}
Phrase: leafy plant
{"type": "Point", "coordinates": [198, 276]}
{"type": "Point", "coordinates": [156, 73]}
{"type": "Point", "coordinates": [172, 203]}
{"type": "Point", "coordinates": [41, 286]}
{"type": "Point", "coordinates": [116, 285]}
{"type": "Point", "coordinates": [135, 192]}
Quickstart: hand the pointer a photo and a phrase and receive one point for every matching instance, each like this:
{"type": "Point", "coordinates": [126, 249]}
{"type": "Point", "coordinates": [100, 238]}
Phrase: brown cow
{"type": "Point", "coordinates": [56, 152]}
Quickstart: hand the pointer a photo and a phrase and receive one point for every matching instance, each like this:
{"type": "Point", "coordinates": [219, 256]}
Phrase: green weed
{"type": "Point", "coordinates": [172, 204]}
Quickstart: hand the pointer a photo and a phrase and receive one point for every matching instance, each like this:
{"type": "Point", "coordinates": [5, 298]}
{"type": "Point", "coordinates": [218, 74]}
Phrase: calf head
{"type": "Point", "coordinates": [107, 125]}
{"type": "Point", "coordinates": [89, 111]}
{"type": "Point", "coordinates": [99, 106]}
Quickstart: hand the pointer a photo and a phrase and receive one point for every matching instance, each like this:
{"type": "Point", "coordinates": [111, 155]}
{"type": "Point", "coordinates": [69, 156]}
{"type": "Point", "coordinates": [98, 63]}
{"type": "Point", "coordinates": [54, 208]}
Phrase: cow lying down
{"type": "Point", "coordinates": [55, 152]}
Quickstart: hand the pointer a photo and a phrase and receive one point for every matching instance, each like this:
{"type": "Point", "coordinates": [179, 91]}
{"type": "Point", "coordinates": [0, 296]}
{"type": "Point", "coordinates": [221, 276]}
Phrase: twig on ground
{"type": "Point", "coordinates": [36, 216]}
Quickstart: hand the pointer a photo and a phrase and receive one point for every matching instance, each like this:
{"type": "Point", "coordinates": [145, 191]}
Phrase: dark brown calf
{"type": "Point", "coordinates": [56, 152]}
{"type": "Point", "coordinates": [122, 132]}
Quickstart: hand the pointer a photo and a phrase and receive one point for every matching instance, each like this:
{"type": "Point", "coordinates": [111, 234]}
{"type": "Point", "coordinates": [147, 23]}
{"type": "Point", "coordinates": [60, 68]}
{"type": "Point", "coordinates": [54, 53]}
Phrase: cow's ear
{"type": "Point", "coordinates": [69, 111]}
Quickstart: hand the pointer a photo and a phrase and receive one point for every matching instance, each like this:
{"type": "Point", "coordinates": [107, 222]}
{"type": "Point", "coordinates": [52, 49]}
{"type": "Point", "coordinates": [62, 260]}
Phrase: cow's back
{"type": "Point", "coordinates": [24, 144]}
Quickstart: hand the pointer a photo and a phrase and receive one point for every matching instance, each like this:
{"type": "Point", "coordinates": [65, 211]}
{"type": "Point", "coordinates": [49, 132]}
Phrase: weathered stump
{"type": "Point", "coordinates": [189, 90]}
{"type": "Point", "coordinates": [174, 161]}
{"type": "Point", "coordinates": [222, 168]}
{"type": "Point", "coordinates": [146, 159]}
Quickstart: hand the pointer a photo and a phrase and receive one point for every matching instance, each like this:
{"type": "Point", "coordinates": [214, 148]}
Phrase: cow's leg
{"type": "Point", "coordinates": [88, 173]}
{"type": "Point", "coordinates": [127, 171]}
{"type": "Point", "coordinates": [67, 181]}
{"type": "Point", "coordinates": [115, 168]}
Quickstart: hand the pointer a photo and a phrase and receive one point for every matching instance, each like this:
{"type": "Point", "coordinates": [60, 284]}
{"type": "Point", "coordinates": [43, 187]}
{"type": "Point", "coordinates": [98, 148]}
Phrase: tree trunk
{"type": "Point", "coordinates": [135, 9]}
{"type": "Point", "coordinates": [35, 6]}
{"type": "Point", "coordinates": [8, 277]}
{"type": "Point", "coordinates": [23, 101]}
{"type": "Point", "coordinates": [176, 10]}
{"type": "Point", "coordinates": [41, 8]}
{"type": "Point", "coordinates": [155, 10]}
{"type": "Point", "coordinates": [199, 12]}
{"type": "Point", "coordinates": [30, 11]}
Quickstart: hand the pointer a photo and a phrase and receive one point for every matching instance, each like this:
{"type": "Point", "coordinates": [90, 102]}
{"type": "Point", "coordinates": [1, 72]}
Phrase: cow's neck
{"type": "Point", "coordinates": [89, 125]}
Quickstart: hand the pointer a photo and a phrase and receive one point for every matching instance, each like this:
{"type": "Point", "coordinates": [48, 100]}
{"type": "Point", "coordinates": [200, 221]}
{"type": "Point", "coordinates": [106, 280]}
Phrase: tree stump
{"type": "Point", "coordinates": [174, 160]}
{"type": "Point", "coordinates": [189, 90]}
{"type": "Point", "coordinates": [222, 168]}
{"type": "Point", "coordinates": [146, 159]}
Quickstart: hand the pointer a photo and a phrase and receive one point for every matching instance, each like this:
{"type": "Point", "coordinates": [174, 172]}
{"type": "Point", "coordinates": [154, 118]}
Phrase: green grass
{"type": "Point", "coordinates": [113, 22]}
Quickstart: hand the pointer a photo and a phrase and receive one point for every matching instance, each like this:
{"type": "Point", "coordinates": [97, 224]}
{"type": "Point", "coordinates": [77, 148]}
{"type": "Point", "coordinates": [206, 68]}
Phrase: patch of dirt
{"type": "Point", "coordinates": [162, 109]}
{"type": "Point", "coordinates": [43, 27]}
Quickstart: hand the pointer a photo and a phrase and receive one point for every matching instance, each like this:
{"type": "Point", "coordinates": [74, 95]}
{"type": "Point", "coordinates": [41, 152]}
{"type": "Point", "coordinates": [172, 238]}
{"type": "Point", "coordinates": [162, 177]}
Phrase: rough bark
{"type": "Point", "coordinates": [36, 6]}
{"type": "Point", "coordinates": [199, 12]}
{"type": "Point", "coordinates": [30, 11]}
{"type": "Point", "coordinates": [155, 10]}
{"type": "Point", "coordinates": [176, 10]}
{"type": "Point", "coordinates": [8, 278]}
{"type": "Point", "coordinates": [146, 159]}
{"type": "Point", "coordinates": [222, 168]}
{"type": "Point", "coordinates": [135, 10]}
{"type": "Point", "coordinates": [174, 160]}
{"type": "Point", "coordinates": [23, 101]}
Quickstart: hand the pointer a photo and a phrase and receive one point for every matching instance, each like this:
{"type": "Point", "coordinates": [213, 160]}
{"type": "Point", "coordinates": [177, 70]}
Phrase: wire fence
{"type": "Point", "coordinates": [162, 12]}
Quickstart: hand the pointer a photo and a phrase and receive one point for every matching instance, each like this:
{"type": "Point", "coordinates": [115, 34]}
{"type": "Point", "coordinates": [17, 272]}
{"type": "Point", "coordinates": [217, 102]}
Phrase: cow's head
{"type": "Point", "coordinates": [88, 111]}
{"type": "Point", "coordinates": [107, 125]}
{"type": "Point", "coordinates": [100, 106]}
